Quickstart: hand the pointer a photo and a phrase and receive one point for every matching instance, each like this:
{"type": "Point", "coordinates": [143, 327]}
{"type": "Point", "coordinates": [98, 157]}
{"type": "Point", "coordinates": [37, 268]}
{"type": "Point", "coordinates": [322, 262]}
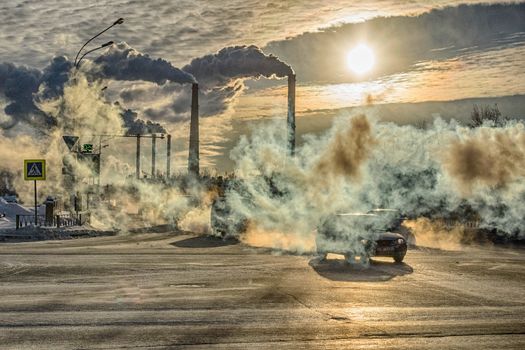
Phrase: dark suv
{"type": "Point", "coordinates": [393, 222]}
{"type": "Point", "coordinates": [357, 234]}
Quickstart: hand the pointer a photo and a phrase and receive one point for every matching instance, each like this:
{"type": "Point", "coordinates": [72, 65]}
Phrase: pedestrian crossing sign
{"type": "Point", "coordinates": [34, 169]}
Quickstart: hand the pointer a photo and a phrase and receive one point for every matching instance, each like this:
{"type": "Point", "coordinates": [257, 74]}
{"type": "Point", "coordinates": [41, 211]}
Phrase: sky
{"type": "Point", "coordinates": [432, 58]}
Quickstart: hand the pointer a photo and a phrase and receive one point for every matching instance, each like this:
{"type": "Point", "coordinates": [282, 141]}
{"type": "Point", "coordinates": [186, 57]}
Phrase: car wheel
{"type": "Point", "coordinates": [398, 258]}
{"type": "Point", "coordinates": [365, 259]}
{"type": "Point", "coordinates": [349, 258]}
{"type": "Point", "coordinates": [218, 233]}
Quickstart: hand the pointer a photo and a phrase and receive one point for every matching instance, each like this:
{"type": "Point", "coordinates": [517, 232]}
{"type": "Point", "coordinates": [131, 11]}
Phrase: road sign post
{"type": "Point", "coordinates": [36, 207]}
{"type": "Point", "coordinates": [35, 170]}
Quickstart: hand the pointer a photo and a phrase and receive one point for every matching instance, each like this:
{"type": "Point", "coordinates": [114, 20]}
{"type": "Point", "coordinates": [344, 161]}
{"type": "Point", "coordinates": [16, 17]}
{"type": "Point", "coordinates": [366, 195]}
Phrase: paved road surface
{"type": "Point", "coordinates": [162, 291]}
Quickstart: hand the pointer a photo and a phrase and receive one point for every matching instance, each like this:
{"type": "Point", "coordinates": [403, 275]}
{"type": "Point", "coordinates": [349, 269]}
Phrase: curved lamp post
{"type": "Point", "coordinates": [90, 51]}
{"type": "Point", "coordinates": [118, 21]}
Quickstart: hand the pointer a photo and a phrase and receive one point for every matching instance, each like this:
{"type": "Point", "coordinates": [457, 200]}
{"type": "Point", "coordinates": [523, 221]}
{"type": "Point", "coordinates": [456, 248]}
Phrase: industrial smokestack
{"type": "Point", "coordinates": [153, 154]}
{"type": "Point", "coordinates": [291, 113]}
{"type": "Point", "coordinates": [193, 158]}
{"type": "Point", "coordinates": [137, 161]}
{"type": "Point", "coordinates": [168, 156]}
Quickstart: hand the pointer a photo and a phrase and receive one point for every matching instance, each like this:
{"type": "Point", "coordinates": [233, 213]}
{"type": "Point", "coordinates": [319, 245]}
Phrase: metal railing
{"type": "Point", "coordinates": [29, 220]}
{"type": "Point", "coordinates": [58, 220]}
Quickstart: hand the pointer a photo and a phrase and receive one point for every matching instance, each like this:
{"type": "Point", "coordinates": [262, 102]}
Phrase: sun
{"type": "Point", "coordinates": [361, 59]}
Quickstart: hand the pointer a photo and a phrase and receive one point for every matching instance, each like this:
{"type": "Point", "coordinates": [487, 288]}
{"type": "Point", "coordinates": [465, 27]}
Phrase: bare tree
{"type": "Point", "coordinates": [482, 114]}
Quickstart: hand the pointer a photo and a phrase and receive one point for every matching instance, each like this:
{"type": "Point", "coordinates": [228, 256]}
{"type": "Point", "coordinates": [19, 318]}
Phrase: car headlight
{"type": "Point", "coordinates": [400, 241]}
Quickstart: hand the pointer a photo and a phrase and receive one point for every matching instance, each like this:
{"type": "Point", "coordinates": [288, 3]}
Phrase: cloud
{"type": "Point", "coordinates": [401, 41]}
{"type": "Point", "coordinates": [20, 84]}
{"type": "Point", "coordinates": [135, 125]}
{"type": "Point", "coordinates": [487, 156]}
{"type": "Point", "coordinates": [221, 80]}
{"type": "Point", "coordinates": [236, 62]}
{"type": "Point", "coordinates": [177, 31]}
{"type": "Point", "coordinates": [26, 89]}
{"type": "Point", "coordinates": [122, 62]}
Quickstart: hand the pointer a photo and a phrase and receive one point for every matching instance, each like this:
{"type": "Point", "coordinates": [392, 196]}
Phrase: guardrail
{"type": "Point", "coordinates": [29, 220]}
{"type": "Point", "coordinates": [58, 220]}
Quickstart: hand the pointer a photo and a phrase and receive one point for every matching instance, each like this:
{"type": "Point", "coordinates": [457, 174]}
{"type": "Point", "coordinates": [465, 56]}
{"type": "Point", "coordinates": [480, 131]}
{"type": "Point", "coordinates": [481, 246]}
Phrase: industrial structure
{"type": "Point", "coordinates": [291, 114]}
{"type": "Point", "coordinates": [153, 153]}
{"type": "Point", "coordinates": [193, 152]}
{"type": "Point", "coordinates": [193, 156]}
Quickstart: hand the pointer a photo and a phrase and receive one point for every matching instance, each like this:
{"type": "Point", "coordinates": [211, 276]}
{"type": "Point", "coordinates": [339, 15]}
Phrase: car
{"type": "Point", "coordinates": [393, 222]}
{"type": "Point", "coordinates": [358, 234]}
{"type": "Point", "coordinates": [225, 222]}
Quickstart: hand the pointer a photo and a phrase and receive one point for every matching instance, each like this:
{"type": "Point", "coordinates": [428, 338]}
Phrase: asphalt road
{"type": "Point", "coordinates": [162, 291]}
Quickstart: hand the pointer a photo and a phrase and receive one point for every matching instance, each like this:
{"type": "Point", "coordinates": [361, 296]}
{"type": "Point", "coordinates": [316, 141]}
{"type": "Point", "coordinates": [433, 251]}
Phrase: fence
{"type": "Point", "coordinates": [59, 220]}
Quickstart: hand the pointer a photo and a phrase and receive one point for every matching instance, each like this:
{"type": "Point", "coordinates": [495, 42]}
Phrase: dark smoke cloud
{"type": "Point", "coordinates": [23, 86]}
{"type": "Point", "coordinates": [20, 84]}
{"type": "Point", "coordinates": [490, 157]}
{"type": "Point", "coordinates": [122, 62]}
{"type": "Point", "coordinates": [55, 76]}
{"type": "Point", "coordinates": [135, 125]}
{"type": "Point", "coordinates": [221, 80]}
{"type": "Point", "coordinates": [220, 77]}
{"type": "Point", "coordinates": [236, 62]}
{"type": "Point", "coordinates": [347, 150]}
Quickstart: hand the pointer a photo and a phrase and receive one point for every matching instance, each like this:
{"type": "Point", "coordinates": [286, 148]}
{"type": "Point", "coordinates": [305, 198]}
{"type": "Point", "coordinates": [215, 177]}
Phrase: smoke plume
{"type": "Point", "coordinates": [20, 84]}
{"type": "Point", "coordinates": [487, 157]}
{"type": "Point", "coordinates": [25, 89]}
{"type": "Point", "coordinates": [288, 197]}
{"type": "Point", "coordinates": [347, 150]}
{"type": "Point", "coordinates": [236, 62]}
{"type": "Point", "coordinates": [362, 164]}
{"type": "Point", "coordinates": [221, 76]}
{"type": "Point", "coordinates": [122, 62]}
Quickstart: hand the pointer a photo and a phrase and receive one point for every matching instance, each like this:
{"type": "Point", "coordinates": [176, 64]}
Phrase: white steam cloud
{"type": "Point", "coordinates": [362, 165]}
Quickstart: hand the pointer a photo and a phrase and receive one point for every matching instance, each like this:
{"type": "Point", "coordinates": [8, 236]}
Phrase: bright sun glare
{"type": "Point", "coordinates": [361, 59]}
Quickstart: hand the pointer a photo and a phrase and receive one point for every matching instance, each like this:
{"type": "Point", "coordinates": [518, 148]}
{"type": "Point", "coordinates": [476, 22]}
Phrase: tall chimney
{"type": "Point", "coordinates": [291, 114]}
{"type": "Point", "coordinates": [153, 154]}
{"type": "Point", "coordinates": [193, 158]}
{"type": "Point", "coordinates": [137, 161]}
{"type": "Point", "coordinates": [168, 156]}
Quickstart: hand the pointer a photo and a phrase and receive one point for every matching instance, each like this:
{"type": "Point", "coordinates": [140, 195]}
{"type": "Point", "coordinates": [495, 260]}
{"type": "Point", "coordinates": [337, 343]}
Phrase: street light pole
{"type": "Point", "coordinates": [90, 51]}
{"type": "Point", "coordinates": [118, 21]}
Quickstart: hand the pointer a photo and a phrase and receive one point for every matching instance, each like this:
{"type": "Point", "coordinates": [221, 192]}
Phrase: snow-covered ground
{"type": "Point", "coordinates": [9, 211]}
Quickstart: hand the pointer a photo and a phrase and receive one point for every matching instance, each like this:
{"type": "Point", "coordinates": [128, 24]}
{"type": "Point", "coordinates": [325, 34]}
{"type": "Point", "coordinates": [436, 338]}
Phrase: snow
{"type": "Point", "coordinates": [9, 211]}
